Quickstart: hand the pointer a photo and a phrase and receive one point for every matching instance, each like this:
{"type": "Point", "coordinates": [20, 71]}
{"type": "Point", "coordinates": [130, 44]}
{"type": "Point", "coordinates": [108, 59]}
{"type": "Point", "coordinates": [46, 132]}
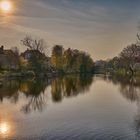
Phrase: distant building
{"type": "Point", "coordinates": [27, 54]}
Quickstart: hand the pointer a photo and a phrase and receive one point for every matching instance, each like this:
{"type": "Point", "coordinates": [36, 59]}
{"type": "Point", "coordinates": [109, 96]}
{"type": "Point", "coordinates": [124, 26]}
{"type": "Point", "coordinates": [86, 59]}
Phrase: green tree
{"type": "Point", "coordinates": [57, 57]}
{"type": "Point", "coordinates": [68, 60]}
{"type": "Point", "coordinates": [71, 61]}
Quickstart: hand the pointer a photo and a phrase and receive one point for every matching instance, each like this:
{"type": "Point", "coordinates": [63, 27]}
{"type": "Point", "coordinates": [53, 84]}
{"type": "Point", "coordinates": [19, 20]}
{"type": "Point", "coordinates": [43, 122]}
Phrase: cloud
{"type": "Point", "coordinates": [99, 27]}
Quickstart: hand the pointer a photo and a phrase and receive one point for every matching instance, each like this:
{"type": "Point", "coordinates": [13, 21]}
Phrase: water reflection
{"type": "Point", "coordinates": [35, 90]}
{"type": "Point", "coordinates": [70, 86]}
{"type": "Point", "coordinates": [129, 87]}
{"type": "Point", "coordinates": [33, 93]}
{"type": "Point", "coordinates": [5, 129]}
{"type": "Point", "coordinates": [130, 90]}
{"type": "Point", "coordinates": [32, 90]}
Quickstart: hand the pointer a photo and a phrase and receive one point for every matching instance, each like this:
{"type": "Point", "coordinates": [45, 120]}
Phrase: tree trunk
{"type": "Point", "coordinates": [132, 70]}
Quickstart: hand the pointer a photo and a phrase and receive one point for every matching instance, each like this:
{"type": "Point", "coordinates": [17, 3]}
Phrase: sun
{"type": "Point", "coordinates": [5, 5]}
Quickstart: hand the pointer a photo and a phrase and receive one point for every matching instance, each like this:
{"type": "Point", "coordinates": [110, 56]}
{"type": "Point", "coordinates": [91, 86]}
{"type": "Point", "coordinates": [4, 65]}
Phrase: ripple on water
{"type": "Point", "coordinates": [100, 134]}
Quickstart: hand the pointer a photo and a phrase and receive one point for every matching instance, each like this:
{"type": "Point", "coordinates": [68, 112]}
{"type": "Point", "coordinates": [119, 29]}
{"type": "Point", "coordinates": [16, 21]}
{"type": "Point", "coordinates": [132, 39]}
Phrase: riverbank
{"type": "Point", "coordinates": [31, 74]}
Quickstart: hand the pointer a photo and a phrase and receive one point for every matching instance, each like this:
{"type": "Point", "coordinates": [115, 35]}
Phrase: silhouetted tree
{"type": "Point", "coordinates": [34, 44]}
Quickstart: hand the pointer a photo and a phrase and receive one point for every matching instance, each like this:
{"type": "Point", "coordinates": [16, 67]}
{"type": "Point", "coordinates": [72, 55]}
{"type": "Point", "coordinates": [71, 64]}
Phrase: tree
{"type": "Point", "coordinates": [34, 44]}
{"type": "Point", "coordinates": [86, 63]}
{"type": "Point", "coordinates": [114, 64]}
{"type": "Point", "coordinates": [23, 63]}
{"type": "Point", "coordinates": [57, 57]}
{"type": "Point", "coordinates": [68, 60]}
{"type": "Point", "coordinates": [130, 56]}
{"type": "Point", "coordinates": [71, 61]}
{"type": "Point", "coordinates": [37, 60]}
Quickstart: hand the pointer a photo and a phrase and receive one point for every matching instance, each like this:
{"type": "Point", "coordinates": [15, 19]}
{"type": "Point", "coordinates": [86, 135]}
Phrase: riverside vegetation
{"type": "Point", "coordinates": [126, 63]}
{"type": "Point", "coordinates": [34, 62]}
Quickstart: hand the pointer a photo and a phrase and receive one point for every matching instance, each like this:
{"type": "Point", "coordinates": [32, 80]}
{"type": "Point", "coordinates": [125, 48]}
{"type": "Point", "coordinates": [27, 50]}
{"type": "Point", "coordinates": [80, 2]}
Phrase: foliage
{"type": "Point", "coordinates": [36, 61]}
{"type": "Point", "coordinates": [23, 63]}
{"type": "Point", "coordinates": [57, 57]}
{"type": "Point", "coordinates": [127, 61]}
{"type": "Point", "coordinates": [130, 55]}
{"type": "Point", "coordinates": [35, 55]}
{"type": "Point", "coordinates": [120, 71]}
{"type": "Point", "coordinates": [61, 61]}
{"type": "Point", "coordinates": [71, 61]}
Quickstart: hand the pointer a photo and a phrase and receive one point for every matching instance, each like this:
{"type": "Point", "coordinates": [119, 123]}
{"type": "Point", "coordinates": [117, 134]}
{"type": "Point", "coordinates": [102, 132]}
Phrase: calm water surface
{"type": "Point", "coordinates": [70, 108]}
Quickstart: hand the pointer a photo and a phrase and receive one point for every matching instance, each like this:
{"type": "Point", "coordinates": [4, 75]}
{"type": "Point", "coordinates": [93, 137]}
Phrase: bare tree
{"type": "Point", "coordinates": [34, 44]}
{"type": "Point", "coordinates": [36, 103]}
{"type": "Point", "coordinates": [131, 55]}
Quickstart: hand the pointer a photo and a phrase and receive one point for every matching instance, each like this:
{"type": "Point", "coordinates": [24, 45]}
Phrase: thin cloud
{"type": "Point", "coordinates": [92, 25]}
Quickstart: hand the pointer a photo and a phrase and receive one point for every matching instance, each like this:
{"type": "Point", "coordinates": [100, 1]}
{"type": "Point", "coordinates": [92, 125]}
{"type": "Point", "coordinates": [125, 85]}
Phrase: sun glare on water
{"type": "Point", "coordinates": [4, 129]}
{"type": "Point", "coordinates": [5, 5]}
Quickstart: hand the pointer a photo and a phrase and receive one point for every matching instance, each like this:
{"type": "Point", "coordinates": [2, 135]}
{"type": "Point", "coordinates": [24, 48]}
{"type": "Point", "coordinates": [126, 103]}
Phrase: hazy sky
{"type": "Point", "coordinates": [100, 27]}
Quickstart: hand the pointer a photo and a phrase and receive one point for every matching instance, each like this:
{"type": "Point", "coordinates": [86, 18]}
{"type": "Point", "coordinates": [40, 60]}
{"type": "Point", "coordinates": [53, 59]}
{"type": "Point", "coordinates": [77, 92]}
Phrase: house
{"type": "Point", "coordinates": [46, 61]}
{"type": "Point", "coordinates": [27, 54]}
{"type": "Point", "coordinates": [8, 59]}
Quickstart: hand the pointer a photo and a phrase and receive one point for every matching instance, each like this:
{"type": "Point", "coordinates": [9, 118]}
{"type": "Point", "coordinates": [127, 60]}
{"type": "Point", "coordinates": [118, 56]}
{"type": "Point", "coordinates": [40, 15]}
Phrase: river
{"type": "Point", "coordinates": [73, 107]}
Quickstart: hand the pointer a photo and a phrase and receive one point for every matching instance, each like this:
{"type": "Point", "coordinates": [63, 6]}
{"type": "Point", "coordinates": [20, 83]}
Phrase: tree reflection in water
{"type": "Point", "coordinates": [34, 90]}
{"type": "Point", "coordinates": [70, 86]}
{"type": "Point", "coordinates": [130, 89]}
{"type": "Point", "coordinates": [66, 87]}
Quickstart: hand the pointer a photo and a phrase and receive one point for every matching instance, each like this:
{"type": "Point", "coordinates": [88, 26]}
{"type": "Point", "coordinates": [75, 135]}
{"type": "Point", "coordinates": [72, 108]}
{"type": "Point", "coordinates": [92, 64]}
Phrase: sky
{"type": "Point", "coordinates": [102, 28]}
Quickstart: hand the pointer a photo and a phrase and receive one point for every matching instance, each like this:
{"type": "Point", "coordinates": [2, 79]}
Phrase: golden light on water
{"type": "Point", "coordinates": [6, 6]}
{"type": "Point", "coordinates": [5, 129]}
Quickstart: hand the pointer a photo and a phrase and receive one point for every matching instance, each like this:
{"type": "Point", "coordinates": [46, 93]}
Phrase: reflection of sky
{"type": "Point", "coordinates": [100, 27]}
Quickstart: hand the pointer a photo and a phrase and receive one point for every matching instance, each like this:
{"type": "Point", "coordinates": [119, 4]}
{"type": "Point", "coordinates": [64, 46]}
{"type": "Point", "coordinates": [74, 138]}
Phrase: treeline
{"type": "Point", "coordinates": [35, 61]}
{"type": "Point", "coordinates": [126, 63]}
{"type": "Point", "coordinates": [71, 60]}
